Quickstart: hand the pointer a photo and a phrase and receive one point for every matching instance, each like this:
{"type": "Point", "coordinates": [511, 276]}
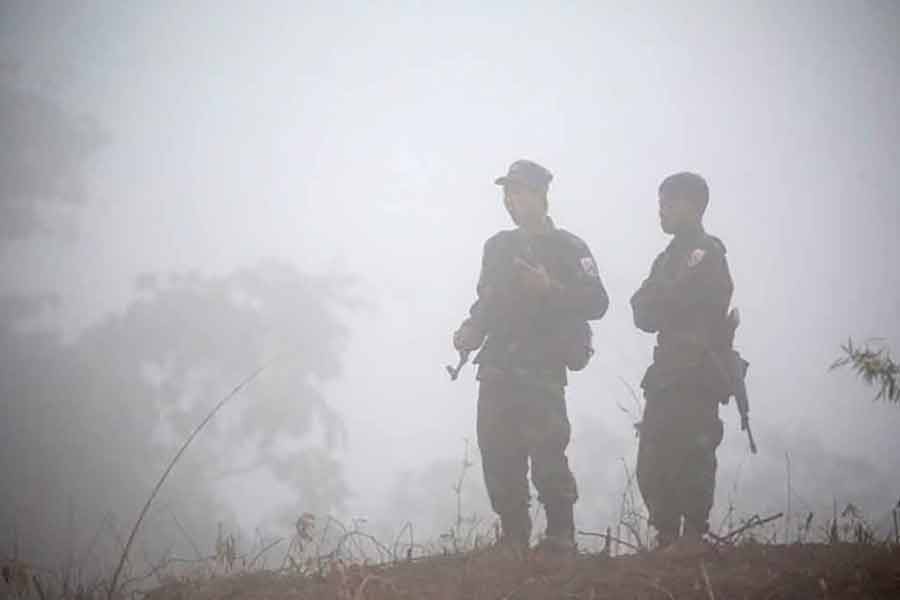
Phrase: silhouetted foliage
{"type": "Point", "coordinates": [88, 424]}
{"type": "Point", "coordinates": [875, 366]}
{"type": "Point", "coordinates": [43, 148]}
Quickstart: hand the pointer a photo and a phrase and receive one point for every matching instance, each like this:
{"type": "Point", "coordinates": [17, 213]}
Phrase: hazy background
{"type": "Point", "coordinates": [336, 161]}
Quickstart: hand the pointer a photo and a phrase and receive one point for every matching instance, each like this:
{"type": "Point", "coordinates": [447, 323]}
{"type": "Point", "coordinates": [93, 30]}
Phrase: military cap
{"type": "Point", "coordinates": [528, 173]}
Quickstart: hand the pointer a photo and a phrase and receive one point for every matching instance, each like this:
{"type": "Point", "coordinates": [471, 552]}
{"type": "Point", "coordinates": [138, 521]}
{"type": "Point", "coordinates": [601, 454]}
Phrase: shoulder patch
{"type": "Point", "coordinates": [696, 257]}
{"type": "Point", "coordinates": [589, 266]}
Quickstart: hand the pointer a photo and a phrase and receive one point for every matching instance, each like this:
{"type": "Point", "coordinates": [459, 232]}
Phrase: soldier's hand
{"type": "Point", "coordinates": [535, 280]}
{"type": "Point", "coordinates": [468, 337]}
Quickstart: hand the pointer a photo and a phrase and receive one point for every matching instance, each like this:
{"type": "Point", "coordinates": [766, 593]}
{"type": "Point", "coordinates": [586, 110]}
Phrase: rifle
{"type": "Point", "coordinates": [738, 373]}
{"type": "Point", "coordinates": [740, 398]}
{"type": "Point", "coordinates": [454, 371]}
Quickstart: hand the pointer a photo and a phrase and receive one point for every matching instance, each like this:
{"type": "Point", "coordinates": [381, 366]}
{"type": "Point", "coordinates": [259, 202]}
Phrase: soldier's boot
{"type": "Point", "coordinates": [515, 528]}
{"type": "Point", "coordinates": [695, 528]}
{"type": "Point", "coordinates": [560, 534]}
{"type": "Point", "coordinates": [665, 538]}
{"type": "Point", "coordinates": [691, 544]}
{"type": "Point", "coordinates": [666, 533]}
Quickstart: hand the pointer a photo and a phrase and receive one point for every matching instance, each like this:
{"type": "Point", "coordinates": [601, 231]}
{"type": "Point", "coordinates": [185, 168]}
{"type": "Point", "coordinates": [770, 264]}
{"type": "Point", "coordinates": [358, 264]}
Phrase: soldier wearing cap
{"type": "Point", "coordinates": [685, 302]}
{"type": "Point", "coordinates": [538, 288]}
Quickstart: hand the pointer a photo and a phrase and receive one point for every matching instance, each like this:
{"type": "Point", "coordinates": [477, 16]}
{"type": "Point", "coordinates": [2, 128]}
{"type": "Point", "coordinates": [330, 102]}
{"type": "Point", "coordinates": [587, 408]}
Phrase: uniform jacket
{"type": "Point", "coordinates": [524, 331]}
{"type": "Point", "coordinates": [685, 301]}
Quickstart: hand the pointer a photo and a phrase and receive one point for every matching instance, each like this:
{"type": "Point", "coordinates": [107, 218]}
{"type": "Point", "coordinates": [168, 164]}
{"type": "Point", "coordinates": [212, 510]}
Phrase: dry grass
{"type": "Point", "coordinates": [751, 571]}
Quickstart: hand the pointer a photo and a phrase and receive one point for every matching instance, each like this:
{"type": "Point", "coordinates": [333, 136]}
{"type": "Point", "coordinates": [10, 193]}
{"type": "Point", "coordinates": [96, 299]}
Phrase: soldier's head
{"type": "Point", "coordinates": [525, 188]}
{"type": "Point", "coordinates": [683, 198]}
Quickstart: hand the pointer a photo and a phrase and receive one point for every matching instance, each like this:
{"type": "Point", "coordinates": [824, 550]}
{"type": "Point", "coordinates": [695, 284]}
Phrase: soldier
{"type": "Point", "coordinates": [539, 285]}
{"type": "Point", "coordinates": [685, 301]}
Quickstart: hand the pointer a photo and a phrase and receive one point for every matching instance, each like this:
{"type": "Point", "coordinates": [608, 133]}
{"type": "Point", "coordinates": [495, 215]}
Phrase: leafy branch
{"type": "Point", "coordinates": [874, 366]}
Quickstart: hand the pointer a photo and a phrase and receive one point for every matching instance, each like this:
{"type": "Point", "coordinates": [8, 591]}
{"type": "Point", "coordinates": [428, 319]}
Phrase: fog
{"type": "Point", "coordinates": [348, 153]}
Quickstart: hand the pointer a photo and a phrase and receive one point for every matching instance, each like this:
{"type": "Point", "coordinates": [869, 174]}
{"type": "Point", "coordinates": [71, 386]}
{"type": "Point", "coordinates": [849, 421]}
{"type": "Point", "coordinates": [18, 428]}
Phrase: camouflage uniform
{"type": "Point", "coordinates": [685, 300]}
{"type": "Point", "coordinates": [522, 373]}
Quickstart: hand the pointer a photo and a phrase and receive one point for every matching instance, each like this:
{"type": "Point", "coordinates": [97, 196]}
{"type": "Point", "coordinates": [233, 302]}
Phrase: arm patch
{"type": "Point", "coordinates": [589, 266]}
{"type": "Point", "coordinates": [696, 257]}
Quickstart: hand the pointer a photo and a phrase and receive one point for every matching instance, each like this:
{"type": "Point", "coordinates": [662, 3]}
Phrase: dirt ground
{"type": "Point", "coordinates": [751, 571]}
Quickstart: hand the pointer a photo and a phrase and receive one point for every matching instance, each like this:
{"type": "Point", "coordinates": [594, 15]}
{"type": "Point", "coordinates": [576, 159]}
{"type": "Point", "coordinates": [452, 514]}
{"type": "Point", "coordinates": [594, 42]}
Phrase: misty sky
{"type": "Point", "coordinates": [365, 137]}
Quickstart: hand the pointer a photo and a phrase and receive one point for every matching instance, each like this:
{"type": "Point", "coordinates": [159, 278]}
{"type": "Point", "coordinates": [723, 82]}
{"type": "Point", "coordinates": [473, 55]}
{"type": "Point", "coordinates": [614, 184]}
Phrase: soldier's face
{"type": "Point", "coordinates": [525, 205]}
{"type": "Point", "coordinates": [675, 213]}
